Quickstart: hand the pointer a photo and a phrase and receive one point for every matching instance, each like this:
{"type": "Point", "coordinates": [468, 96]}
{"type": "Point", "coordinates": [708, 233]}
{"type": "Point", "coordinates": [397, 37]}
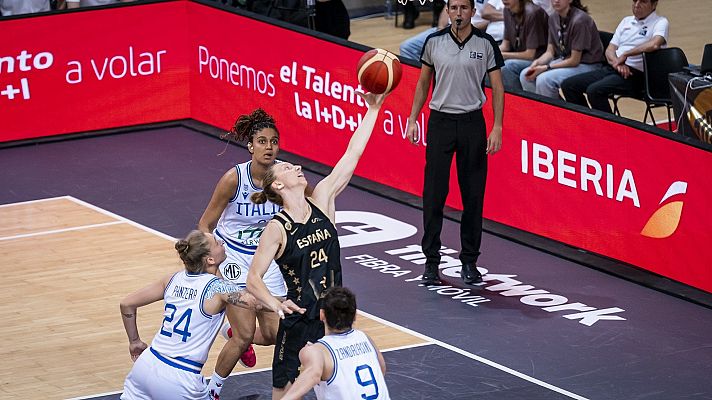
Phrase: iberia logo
{"type": "Point", "coordinates": [665, 220]}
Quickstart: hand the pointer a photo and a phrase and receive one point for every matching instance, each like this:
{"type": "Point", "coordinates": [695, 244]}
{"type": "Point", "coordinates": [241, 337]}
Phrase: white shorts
{"type": "Point", "coordinates": [151, 378]}
{"type": "Point", "coordinates": [236, 265]}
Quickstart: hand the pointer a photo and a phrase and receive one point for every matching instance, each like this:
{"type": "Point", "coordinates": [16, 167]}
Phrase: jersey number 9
{"type": "Point", "coordinates": [365, 378]}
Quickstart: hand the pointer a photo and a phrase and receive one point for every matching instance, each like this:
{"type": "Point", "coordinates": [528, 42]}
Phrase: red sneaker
{"type": "Point", "coordinates": [226, 331]}
{"type": "Point", "coordinates": [249, 358]}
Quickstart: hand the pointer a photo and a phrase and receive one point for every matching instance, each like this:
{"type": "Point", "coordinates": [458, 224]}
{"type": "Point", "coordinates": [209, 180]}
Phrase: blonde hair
{"type": "Point", "coordinates": [268, 192]}
{"type": "Point", "coordinates": [193, 250]}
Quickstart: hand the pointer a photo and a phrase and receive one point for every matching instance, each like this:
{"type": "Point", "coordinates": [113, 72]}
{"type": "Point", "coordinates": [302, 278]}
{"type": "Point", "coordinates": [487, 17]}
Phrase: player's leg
{"type": "Point", "coordinates": [266, 335]}
{"type": "Point", "coordinates": [243, 324]}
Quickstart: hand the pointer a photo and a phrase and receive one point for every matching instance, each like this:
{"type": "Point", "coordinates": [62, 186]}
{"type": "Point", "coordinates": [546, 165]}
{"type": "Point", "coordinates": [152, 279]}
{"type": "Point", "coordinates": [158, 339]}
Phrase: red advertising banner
{"type": "Point", "coordinates": [309, 85]}
{"type": "Point", "coordinates": [604, 187]}
{"type": "Point", "coordinates": [585, 181]}
{"type": "Point", "coordinates": [93, 70]}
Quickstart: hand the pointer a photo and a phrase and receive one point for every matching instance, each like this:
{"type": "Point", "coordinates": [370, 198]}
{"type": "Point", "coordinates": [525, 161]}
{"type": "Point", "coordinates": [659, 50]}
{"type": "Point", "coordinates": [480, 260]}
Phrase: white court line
{"type": "Point", "coordinates": [120, 218]}
{"type": "Point", "coordinates": [477, 358]}
{"type": "Point", "coordinates": [381, 320]}
{"type": "Point", "coordinates": [20, 203]}
{"type": "Point", "coordinates": [74, 228]}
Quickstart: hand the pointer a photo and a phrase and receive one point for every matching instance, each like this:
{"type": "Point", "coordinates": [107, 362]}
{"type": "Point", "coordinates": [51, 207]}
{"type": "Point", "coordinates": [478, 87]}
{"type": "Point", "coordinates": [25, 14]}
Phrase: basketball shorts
{"type": "Point", "coordinates": [290, 340]}
{"type": "Point", "coordinates": [151, 378]}
{"type": "Point", "coordinates": [236, 265]}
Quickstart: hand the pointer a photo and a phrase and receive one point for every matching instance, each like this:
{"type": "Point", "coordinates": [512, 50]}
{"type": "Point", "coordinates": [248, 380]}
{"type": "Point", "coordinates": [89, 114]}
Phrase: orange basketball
{"type": "Point", "coordinates": [379, 71]}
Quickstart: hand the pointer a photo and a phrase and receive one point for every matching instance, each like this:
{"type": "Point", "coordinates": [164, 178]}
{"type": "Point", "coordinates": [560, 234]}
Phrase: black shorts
{"type": "Point", "coordinates": [290, 340]}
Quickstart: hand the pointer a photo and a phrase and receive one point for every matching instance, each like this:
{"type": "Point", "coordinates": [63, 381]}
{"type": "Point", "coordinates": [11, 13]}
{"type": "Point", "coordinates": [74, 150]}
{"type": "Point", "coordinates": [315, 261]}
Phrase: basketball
{"type": "Point", "coordinates": [379, 71]}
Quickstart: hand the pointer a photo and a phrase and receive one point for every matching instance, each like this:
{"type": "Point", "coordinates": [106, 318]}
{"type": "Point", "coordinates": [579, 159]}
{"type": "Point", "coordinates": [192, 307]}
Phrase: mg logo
{"type": "Point", "coordinates": [232, 271]}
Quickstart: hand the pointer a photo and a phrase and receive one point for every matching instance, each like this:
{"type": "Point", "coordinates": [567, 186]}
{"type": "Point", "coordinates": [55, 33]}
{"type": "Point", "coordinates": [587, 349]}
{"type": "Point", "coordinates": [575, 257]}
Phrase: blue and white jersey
{"type": "Point", "coordinates": [187, 331]}
{"type": "Point", "coordinates": [242, 221]}
{"type": "Point", "coordinates": [240, 227]}
{"type": "Point", "coordinates": [357, 373]}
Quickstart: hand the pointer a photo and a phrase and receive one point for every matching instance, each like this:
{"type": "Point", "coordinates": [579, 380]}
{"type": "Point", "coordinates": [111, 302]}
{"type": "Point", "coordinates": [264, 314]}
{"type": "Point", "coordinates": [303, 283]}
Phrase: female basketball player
{"type": "Point", "coordinates": [350, 352]}
{"type": "Point", "coordinates": [195, 301]}
{"type": "Point", "coordinates": [235, 219]}
{"type": "Point", "coordinates": [302, 240]}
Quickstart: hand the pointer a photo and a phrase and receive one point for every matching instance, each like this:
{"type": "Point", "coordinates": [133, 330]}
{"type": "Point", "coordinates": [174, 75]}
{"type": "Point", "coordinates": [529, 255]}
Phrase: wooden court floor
{"type": "Point", "coordinates": [68, 264]}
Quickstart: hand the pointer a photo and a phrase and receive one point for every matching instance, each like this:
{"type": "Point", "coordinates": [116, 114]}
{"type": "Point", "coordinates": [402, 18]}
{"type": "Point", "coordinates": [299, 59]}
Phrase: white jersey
{"type": "Point", "coordinates": [240, 227]}
{"type": "Point", "coordinates": [170, 368]}
{"type": "Point", "coordinates": [187, 332]}
{"type": "Point", "coordinates": [357, 373]}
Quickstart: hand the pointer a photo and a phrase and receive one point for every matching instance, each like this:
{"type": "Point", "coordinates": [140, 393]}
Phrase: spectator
{"type": "Point", "coordinates": [525, 39]}
{"type": "Point", "coordinates": [644, 31]}
{"type": "Point", "coordinates": [489, 18]}
{"type": "Point", "coordinates": [413, 46]}
{"type": "Point", "coordinates": [16, 7]}
{"type": "Point", "coordinates": [574, 48]}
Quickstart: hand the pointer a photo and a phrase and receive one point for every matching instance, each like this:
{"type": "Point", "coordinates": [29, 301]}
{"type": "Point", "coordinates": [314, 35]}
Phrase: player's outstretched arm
{"type": "Point", "coordinates": [326, 190]}
{"type": "Point", "coordinates": [313, 365]}
{"type": "Point", "coordinates": [221, 292]}
{"type": "Point", "coordinates": [271, 242]}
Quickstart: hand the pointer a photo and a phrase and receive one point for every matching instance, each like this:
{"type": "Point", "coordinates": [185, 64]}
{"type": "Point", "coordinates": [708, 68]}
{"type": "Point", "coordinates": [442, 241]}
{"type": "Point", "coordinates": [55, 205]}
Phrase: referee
{"type": "Point", "coordinates": [458, 56]}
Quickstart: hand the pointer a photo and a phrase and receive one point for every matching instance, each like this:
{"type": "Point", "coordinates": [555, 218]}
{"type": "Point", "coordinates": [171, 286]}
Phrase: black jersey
{"type": "Point", "coordinates": [311, 261]}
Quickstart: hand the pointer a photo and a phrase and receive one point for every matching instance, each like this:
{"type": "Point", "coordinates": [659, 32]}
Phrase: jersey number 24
{"type": "Point", "coordinates": [180, 327]}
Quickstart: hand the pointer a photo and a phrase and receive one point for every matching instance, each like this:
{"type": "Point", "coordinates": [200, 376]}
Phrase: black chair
{"type": "Point", "coordinates": [605, 41]}
{"type": "Point", "coordinates": [658, 65]}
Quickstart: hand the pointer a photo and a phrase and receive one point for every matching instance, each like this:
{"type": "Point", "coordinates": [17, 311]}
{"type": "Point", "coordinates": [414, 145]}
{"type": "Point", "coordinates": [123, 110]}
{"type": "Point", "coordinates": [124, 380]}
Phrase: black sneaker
{"type": "Point", "coordinates": [431, 275]}
{"type": "Point", "coordinates": [470, 275]}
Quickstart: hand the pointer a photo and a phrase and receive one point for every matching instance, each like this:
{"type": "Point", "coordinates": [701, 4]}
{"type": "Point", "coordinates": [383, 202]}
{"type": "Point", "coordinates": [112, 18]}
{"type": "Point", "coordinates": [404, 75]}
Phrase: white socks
{"type": "Point", "coordinates": [215, 386]}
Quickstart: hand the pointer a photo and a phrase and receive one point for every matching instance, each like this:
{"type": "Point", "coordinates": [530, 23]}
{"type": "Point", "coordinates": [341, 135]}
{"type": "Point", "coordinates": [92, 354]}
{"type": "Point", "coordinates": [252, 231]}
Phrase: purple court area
{"type": "Point", "coordinates": [588, 333]}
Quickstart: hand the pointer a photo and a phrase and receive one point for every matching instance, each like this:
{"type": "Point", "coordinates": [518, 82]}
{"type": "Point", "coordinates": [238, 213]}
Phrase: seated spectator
{"type": "Point", "coordinates": [413, 46]}
{"type": "Point", "coordinates": [16, 7]}
{"type": "Point", "coordinates": [574, 48]}
{"type": "Point", "coordinates": [525, 39]}
{"type": "Point", "coordinates": [489, 18]}
{"type": "Point", "coordinates": [644, 31]}
{"type": "Point", "coordinates": [92, 3]}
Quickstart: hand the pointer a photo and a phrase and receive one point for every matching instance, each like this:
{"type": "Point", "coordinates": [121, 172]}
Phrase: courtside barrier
{"type": "Point", "coordinates": [601, 185]}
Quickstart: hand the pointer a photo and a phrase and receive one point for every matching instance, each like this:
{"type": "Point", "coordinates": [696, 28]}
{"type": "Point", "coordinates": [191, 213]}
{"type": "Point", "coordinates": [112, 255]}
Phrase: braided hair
{"type": "Point", "coordinates": [247, 125]}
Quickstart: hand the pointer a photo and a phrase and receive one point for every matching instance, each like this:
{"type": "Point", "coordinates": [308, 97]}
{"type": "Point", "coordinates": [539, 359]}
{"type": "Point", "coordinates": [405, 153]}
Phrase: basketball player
{"type": "Point", "coordinates": [302, 240]}
{"type": "Point", "coordinates": [344, 364]}
{"type": "Point", "coordinates": [235, 219]}
{"type": "Point", "coordinates": [195, 301]}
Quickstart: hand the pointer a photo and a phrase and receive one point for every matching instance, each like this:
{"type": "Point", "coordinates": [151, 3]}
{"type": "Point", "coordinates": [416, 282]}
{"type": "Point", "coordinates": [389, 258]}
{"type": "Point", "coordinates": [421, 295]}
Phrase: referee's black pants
{"type": "Point", "coordinates": [465, 135]}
